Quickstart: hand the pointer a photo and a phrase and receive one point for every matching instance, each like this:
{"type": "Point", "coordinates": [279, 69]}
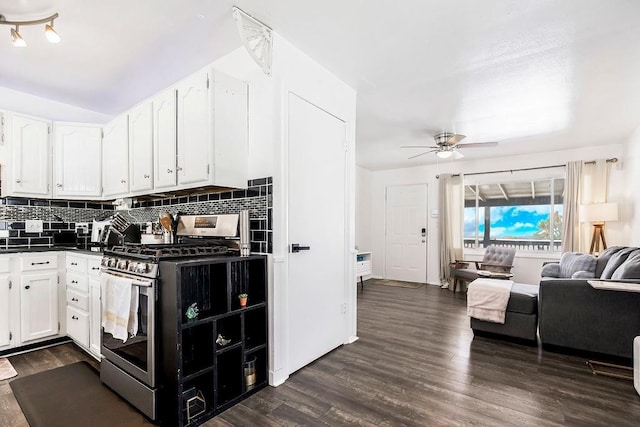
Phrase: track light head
{"type": "Point", "coordinates": [51, 34]}
{"type": "Point", "coordinates": [16, 38]}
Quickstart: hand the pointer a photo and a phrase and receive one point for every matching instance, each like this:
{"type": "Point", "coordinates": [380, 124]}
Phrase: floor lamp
{"type": "Point", "coordinates": [597, 214]}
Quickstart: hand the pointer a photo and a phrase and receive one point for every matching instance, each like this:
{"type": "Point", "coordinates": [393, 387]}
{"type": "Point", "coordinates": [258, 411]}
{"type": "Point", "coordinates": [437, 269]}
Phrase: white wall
{"type": "Point", "coordinates": [21, 102]}
{"type": "Point", "coordinates": [527, 265]}
{"type": "Point", "coordinates": [631, 212]}
{"type": "Point", "coordinates": [363, 209]}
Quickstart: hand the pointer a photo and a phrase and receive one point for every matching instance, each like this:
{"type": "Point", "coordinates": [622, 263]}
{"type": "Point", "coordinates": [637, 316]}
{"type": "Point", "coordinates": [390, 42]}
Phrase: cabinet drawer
{"type": "Point", "coordinates": [78, 299]}
{"type": "Point", "coordinates": [39, 262]}
{"type": "Point", "coordinates": [93, 266]}
{"type": "Point", "coordinates": [5, 264]}
{"type": "Point", "coordinates": [78, 325]}
{"type": "Point", "coordinates": [74, 263]}
{"type": "Point", "coordinates": [78, 281]}
{"type": "Point", "coordinates": [363, 268]}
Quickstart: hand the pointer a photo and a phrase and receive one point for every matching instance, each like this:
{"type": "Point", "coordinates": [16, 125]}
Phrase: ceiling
{"type": "Point", "coordinates": [535, 75]}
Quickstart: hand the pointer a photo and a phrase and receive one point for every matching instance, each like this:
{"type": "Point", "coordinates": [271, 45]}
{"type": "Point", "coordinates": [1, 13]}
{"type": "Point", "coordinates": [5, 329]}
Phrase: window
{"type": "Point", "coordinates": [515, 214]}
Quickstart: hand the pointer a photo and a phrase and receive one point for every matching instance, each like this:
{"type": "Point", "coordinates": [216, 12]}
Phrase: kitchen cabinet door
{"type": "Point", "coordinates": [78, 325]}
{"type": "Point", "coordinates": [194, 133]}
{"type": "Point", "coordinates": [164, 140]}
{"type": "Point", "coordinates": [5, 309]}
{"type": "Point", "coordinates": [230, 130]}
{"type": "Point", "coordinates": [141, 148]}
{"type": "Point", "coordinates": [28, 172]}
{"type": "Point", "coordinates": [78, 161]}
{"type": "Point", "coordinates": [95, 310]}
{"type": "Point", "coordinates": [38, 305]}
{"type": "Point", "coordinates": [115, 158]}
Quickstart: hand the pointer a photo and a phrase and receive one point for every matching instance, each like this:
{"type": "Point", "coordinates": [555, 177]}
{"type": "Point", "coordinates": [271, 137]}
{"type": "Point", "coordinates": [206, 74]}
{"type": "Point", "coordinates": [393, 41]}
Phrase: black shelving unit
{"type": "Point", "coordinates": [196, 365]}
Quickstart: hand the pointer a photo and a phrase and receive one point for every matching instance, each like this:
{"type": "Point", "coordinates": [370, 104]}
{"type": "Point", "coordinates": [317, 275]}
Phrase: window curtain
{"type": "Point", "coordinates": [595, 182]}
{"type": "Point", "coordinates": [571, 207]}
{"type": "Point", "coordinates": [585, 183]}
{"type": "Point", "coordinates": [451, 206]}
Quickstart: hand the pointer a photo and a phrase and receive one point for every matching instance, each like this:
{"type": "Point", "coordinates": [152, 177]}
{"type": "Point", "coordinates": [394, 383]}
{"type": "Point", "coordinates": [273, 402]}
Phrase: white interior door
{"type": "Point", "coordinates": [406, 226]}
{"type": "Point", "coordinates": [316, 216]}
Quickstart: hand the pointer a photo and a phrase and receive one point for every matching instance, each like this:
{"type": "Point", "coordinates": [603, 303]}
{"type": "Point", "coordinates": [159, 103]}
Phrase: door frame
{"type": "Point", "coordinates": [426, 217]}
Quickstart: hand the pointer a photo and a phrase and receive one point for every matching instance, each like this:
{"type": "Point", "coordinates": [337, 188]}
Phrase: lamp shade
{"type": "Point", "coordinates": [599, 212]}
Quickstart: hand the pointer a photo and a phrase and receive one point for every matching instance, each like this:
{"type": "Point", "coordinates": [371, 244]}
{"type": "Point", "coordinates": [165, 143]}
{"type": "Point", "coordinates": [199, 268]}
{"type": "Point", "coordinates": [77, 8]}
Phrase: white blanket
{"type": "Point", "coordinates": [487, 299]}
{"type": "Point", "coordinates": [119, 306]}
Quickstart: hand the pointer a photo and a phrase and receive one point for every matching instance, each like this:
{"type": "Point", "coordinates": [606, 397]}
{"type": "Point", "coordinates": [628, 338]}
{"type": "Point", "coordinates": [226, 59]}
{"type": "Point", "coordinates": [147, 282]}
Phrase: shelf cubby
{"type": "Point", "coordinates": [255, 327]}
{"type": "Point", "coordinates": [197, 348]}
{"type": "Point", "coordinates": [203, 384]}
{"type": "Point", "coordinates": [230, 328]}
{"type": "Point", "coordinates": [229, 376]}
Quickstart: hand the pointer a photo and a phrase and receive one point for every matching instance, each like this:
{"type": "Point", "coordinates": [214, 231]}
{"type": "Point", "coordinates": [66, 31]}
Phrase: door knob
{"type": "Point", "coordinates": [27, 287]}
{"type": "Point", "coordinates": [295, 248]}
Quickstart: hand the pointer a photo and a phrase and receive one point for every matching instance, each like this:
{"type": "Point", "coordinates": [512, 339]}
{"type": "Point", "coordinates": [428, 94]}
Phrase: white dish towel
{"type": "Point", "coordinates": [119, 306]}
{"type": "Point", "coordinates": [487, 299]}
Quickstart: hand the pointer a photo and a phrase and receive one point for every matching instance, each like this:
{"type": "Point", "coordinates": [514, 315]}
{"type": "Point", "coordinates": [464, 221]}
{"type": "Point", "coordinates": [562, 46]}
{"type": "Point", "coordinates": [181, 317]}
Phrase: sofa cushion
{"type": "Point", "coordinates": [616, 261]}
{"type": "Point", "coordinates": [523, 299]}
{"type": "Point", "coordinates": [630, 269]}
{"type": "Point", "coordinates": [604, 257]}
{"type": "Point", "coordinates": [573, 262]}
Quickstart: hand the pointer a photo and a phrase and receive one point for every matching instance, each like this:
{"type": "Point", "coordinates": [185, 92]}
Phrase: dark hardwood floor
{"type": "Point", "coordinates": [417, 364]}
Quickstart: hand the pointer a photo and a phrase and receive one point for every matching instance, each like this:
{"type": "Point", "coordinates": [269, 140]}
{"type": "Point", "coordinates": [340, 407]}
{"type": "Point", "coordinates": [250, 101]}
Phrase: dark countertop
{"type": "Point", "coordinates": [16, 250]}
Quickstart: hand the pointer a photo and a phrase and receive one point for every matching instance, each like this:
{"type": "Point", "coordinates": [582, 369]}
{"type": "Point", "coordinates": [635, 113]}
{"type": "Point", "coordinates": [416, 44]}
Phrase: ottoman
{"type": "Point", "coordinates": [521, 319]}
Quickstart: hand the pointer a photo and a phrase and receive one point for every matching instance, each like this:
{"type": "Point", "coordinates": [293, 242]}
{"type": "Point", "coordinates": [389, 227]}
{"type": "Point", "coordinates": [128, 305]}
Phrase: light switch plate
{"type": "Point", "coordinates": [33, 226]}
{"type": "Point", "coordinates": [4, 233]}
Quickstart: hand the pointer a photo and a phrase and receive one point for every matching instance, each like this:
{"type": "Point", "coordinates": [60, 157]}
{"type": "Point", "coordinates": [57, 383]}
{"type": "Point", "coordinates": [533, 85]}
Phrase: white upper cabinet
{"type": "Point", "coordinates": [78, 161]}
{"type": "Point", "coordinates": [194, 131]}
{"type": "Point", "coordinates": [164, 140]}
{"type": "Point", "coordinates": [28, 166]}
{"type": "Point", "coordinates": [230, 130]}
{"type": "Point", "coordinates": [115, 158]}
{"type": "Point", "coordinates": [141, 149]}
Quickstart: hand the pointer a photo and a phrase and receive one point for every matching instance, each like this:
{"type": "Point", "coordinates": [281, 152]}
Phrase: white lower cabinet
{"type": "Point", "coordinates": [83, 301]}
{"type": "Point", "coordinates": [38, 305]}
{"type": "Point", "coordinates": [5, 312]}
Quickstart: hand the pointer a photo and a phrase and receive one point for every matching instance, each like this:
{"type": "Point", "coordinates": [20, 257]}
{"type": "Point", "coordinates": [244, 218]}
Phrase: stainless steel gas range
{"type": "Point", "coordinates": [130, 366]}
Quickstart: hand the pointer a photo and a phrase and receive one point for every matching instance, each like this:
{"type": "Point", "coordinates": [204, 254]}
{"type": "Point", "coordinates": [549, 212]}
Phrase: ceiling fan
{"type": "Point", "coordinates": [447, 145]}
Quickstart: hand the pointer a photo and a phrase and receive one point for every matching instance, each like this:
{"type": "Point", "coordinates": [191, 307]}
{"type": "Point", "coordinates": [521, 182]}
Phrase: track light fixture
{"type": "Point", "coordinates": [17, 39]}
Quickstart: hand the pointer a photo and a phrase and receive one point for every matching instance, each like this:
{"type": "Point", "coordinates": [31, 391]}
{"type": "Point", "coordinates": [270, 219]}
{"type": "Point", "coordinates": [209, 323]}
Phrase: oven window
{"type": "Point", "coordinates": [134, 350]}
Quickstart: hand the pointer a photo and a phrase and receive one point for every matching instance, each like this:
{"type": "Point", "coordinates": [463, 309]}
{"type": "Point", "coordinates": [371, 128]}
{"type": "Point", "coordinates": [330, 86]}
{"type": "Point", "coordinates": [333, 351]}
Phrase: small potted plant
{"type": "Point", "coordinates": [243, 300]}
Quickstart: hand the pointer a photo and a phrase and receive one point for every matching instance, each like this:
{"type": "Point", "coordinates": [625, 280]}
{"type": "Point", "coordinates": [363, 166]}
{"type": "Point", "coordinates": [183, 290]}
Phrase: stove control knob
{"type": "Point", "coordinates": [142, 268]}
{"type": "Point", "coordinates": [122, 264]}
{"type": "Point", "coordinates": [132, 267]}
{"type": "Point", "coordinates": [111, 262]}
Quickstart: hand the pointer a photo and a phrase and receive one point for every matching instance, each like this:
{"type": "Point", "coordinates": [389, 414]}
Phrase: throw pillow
{"type": "Point", "coordinates": [616, 261]}
{"type": "Point", "coordinates": [630, 269]}
{"type": "Point", "coordinates": [551, 270]}
{"type": "Point", "coordinates": [604, 257]}
{"type": "Point", "coordinates": [573, 262]}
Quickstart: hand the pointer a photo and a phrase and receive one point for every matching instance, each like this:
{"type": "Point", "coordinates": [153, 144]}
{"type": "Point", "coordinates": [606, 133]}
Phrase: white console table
{"type": "Point", "coordinates": [363, 266]}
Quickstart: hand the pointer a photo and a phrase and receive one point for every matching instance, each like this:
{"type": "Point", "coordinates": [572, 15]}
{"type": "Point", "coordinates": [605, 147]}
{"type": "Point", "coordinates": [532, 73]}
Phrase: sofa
{"type": "Point", "coordinates": [574, 315]}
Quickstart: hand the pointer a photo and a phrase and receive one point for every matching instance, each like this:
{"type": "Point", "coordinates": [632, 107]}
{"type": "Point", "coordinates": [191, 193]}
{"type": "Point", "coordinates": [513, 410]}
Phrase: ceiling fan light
{"type": "Point", "coordinates": [51, 34]}
{"type": "Point", "coordinates": [457, 155]}
{"type": "Point", "coordinates": [17, 39]}
{"type": "Point", "coordinates": [444, 154]}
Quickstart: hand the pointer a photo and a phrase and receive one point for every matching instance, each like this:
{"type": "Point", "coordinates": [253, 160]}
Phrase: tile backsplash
{"type": "Point", "coordinates": [62, 215]}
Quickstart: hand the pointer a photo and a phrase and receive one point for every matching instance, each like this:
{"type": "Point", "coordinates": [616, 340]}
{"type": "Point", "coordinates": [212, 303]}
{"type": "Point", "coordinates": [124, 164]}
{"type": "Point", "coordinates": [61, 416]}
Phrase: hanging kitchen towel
{"type": "Point", "coordinates": [116, 305]}
{"type": "Point", "coordinates": [132, 326]}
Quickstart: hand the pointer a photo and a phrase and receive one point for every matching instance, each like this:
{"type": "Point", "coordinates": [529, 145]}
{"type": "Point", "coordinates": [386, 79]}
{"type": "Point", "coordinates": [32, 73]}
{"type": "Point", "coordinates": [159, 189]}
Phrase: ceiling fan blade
{"type": "Point", "coordinates": [455, 139]}
{"type": "Point", "coordinates": [421, 154]}
{"type": "Point", "coordinates": [477, 144]}
{"type": "Point", "coordinates": [418, 146]}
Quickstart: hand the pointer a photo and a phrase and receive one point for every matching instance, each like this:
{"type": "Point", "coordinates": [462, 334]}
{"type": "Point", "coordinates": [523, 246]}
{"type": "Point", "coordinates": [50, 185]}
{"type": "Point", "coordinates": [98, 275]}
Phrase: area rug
{"type": "Point", "coordinates": [72, 395]}
{"type": "Point", "coordinates": [396, 283]}
{"type": "Point", "coordinates": [6, 370]}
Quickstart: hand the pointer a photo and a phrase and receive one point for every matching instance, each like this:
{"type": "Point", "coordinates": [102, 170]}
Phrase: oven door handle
{"type": "Point", "coordinates": [134, 282]}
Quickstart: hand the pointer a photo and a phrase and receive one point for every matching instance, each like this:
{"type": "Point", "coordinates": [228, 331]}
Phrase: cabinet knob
{"type": "Point", "coordinates": [123, 181]}
{"type": "Point", "coordinates": [178, 168]}
{"type": "Point", "coordinates": [74, 317]}
{"type": "Point", "coordinates": [27, 287]}
{"type": "Point", "coordinates": [74, 299]}
{"type": "Point", "coordinates": [58, 185]}
{"type": "Point", "coordinates": [146, 175]}
{"type": "Point", "coordinates": [74, 263]}
{"type": "Point", "coordinates": [18, 181]}
{"type": "Point", "coordinates": [95, 268]}
{"type": "Point", "coordinates": [169, 170]}
{"type": "Point", "coordinates": [74, 281]}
